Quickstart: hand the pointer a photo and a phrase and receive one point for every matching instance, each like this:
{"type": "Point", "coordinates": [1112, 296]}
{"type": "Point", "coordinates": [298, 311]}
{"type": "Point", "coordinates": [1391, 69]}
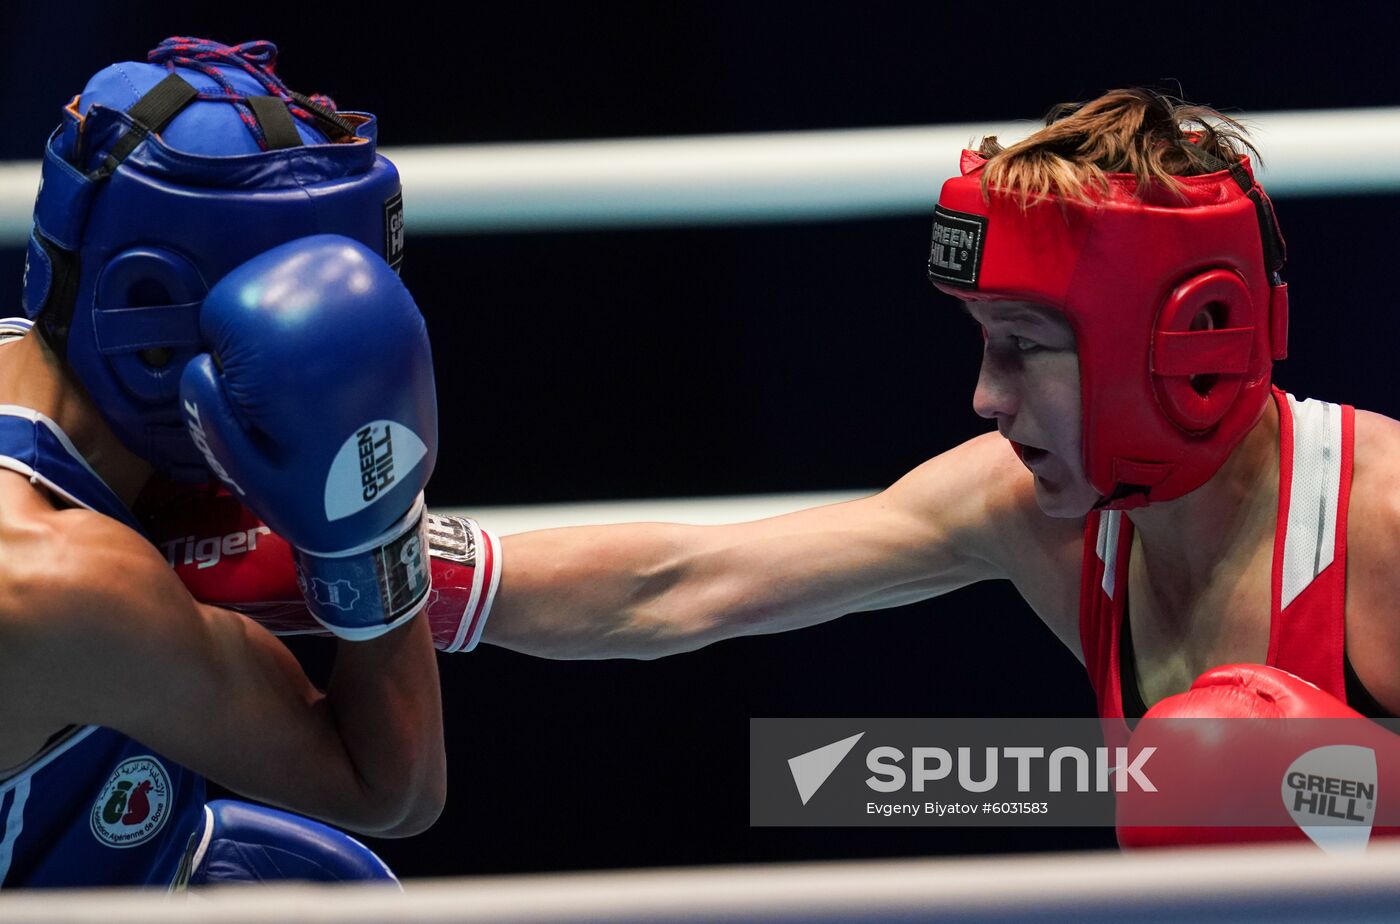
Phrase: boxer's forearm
{"type": "Point", "coordinates": [387, 704]}
{"type": "Point", "coordinates": [647, 590]}
{"type": "Point", "coordinates": [597, 592]}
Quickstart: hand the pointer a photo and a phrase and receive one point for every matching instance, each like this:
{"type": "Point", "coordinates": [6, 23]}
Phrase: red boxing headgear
{"type": "Point", "coordinates": [1130, 270]}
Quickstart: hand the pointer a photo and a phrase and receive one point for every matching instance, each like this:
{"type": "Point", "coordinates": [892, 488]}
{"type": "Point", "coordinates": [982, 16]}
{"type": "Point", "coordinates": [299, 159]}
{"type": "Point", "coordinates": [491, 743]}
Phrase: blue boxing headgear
{"type": "Point", "coordinates": [162, 178]}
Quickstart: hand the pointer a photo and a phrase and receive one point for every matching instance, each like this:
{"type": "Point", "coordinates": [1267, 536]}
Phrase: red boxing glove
{"type": "Point", "coordinates": [226, 556]}
{"type": "Point", "coordinates": [1251, 750]}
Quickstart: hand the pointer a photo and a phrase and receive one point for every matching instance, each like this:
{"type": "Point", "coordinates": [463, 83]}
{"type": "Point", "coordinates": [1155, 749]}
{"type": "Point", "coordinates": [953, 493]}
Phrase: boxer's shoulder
{"type": "Point", "coordinates": [93, 629]}
{"type": "Point", "coordinates": [1373, 543]}
{"type": "Point", "coordinates": [31, 514]}
{"type": "Point", "coordinates": [57, 610]}
{"type": "Point", "coordinates": [1376, 458]}
{"type": "Point", "coordinates": [1011, 527]}
{"type": "Point", "coordinates": [67, 572]}
{"type": "Point", "coordinates": [1040, 554]}
{"type": "Point", "coordinates": [1373, 514]}
{"type": "Point", "coordinates": [981, 499]}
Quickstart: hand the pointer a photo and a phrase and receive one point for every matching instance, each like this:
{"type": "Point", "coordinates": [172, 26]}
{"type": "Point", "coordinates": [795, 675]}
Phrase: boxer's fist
{"type": "Point", "coordinates": [1251, 691]}
{"type": "Point", "coordinates": [1226, 748]}
{"type": "Point", "coordinates": [315, 405]}
{"type": "Point", "coordinates": [226, 556]}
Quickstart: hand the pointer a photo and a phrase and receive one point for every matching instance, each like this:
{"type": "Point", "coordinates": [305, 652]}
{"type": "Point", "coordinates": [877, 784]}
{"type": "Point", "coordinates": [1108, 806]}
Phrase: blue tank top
{"type": "Point", "coordinates": [93, 807]}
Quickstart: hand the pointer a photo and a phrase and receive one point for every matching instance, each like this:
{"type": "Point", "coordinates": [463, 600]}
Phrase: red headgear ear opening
{"type": "Point", "coordinates": [1180, 354]}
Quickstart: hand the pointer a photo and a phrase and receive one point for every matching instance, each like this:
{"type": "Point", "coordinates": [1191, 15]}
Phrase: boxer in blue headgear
{"type": "Point", "coordinates": [151, 193]}
{"type": "Point", "coordinates": [212, 279]}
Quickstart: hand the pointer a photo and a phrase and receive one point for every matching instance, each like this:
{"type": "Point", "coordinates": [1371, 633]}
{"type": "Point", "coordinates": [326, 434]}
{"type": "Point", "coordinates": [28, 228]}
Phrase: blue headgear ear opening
{"type": "Point", "coordinates": [147, 307]}
{"type": "Point", "coordinates": [58, 231]}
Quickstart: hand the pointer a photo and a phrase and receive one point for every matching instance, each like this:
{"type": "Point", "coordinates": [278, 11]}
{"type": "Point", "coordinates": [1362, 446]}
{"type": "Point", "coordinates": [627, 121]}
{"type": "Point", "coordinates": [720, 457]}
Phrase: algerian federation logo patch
{"type": "Point", "coordinates": [133, 805]}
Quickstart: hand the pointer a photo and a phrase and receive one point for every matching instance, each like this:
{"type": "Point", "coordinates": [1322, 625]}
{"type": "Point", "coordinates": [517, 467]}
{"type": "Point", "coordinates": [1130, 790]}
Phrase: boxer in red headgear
{"type": "Point", "coordinates": [1172, 296]}
{"type": "Point", "coordinates": [1123, 266]}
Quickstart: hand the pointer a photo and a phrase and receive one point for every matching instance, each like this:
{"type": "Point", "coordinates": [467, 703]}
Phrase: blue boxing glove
{"type": "Point", "coordinates": [315, 405]}
{"type": "Point", "coordinates": [246, 843]}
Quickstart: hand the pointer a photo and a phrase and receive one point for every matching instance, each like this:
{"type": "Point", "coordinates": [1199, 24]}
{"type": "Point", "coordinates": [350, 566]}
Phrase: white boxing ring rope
{"type": "Point", "coordinates": [1229, 885]}
{"type": "Point", "coordinates": [800, 176]}
{"type": "Point", "coordinates": [793, 176]}
{"type": "Point", "coordinates": [698, 511]}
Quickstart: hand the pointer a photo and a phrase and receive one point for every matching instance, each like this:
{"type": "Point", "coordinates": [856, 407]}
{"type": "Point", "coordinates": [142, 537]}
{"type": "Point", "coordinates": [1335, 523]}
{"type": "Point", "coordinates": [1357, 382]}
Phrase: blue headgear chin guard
{"type": "Point", "coordinates": [162, 178]}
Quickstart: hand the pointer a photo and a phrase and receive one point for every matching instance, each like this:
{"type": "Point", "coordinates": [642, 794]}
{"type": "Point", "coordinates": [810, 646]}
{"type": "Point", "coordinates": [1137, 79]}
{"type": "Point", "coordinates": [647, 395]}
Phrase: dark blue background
{"type": "Point", "coordinates": [728, 360]}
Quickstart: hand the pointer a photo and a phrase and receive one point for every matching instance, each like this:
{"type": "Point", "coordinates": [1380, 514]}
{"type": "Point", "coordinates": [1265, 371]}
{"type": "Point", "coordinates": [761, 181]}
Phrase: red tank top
{"type": "Point", "coordinates": [1307, 627]}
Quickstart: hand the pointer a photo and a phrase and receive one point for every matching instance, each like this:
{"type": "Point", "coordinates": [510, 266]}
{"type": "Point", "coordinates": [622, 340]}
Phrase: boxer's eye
{"type": "Point", "coordinates": [1025, 344]}
{"type": "Point", "coordinates": [156, 357]}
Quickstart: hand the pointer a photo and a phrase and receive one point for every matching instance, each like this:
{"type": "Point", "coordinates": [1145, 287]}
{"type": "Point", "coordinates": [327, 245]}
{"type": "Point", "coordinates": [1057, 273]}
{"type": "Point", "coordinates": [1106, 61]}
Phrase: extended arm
{"type": "Point", "coordinates": [647, 590]}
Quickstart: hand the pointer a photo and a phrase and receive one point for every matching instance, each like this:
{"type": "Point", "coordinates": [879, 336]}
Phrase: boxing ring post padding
{"type": "Point", "coordinates": [1274, 884]}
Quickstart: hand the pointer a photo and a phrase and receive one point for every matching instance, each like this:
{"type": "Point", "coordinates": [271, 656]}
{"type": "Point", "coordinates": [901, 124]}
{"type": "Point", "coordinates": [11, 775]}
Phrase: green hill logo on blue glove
{"type": "Point", "coordinates": [368, 464]}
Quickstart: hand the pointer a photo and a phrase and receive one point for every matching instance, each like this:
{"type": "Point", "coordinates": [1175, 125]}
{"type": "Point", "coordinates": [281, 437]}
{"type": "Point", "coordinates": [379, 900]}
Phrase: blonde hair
{"type": "Point", "coordinates": [1137, 131]}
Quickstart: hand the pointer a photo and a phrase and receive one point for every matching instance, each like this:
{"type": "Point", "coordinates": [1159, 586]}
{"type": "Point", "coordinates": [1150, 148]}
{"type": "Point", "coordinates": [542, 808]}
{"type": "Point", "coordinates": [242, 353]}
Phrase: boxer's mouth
{"type": "Point", "coordinates": [1030, 455]}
